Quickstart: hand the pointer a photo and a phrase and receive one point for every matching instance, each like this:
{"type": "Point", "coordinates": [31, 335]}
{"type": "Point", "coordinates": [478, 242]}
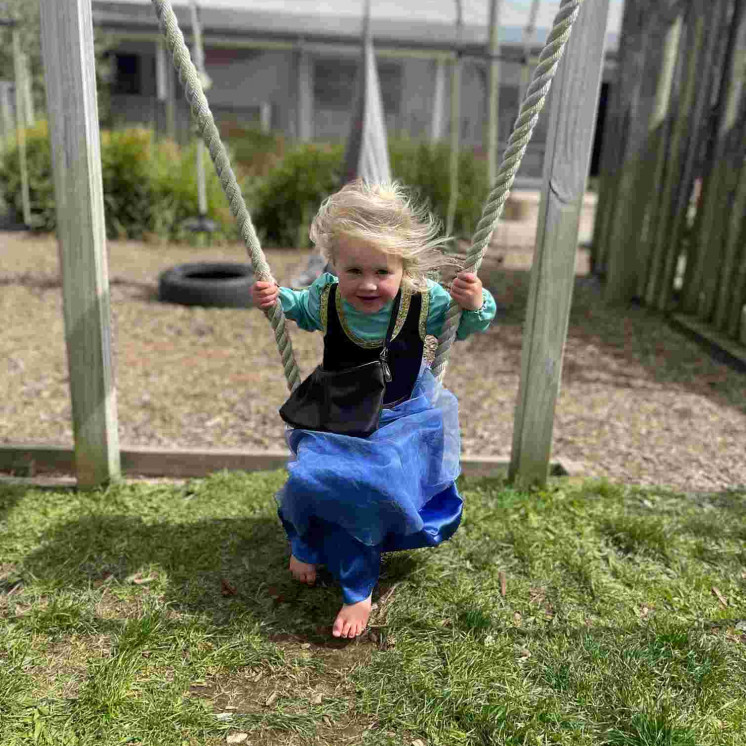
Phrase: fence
{"type": "Point", "coordinates": [67, 35]}
{"type": "Point", "coordinates": [670, 228]}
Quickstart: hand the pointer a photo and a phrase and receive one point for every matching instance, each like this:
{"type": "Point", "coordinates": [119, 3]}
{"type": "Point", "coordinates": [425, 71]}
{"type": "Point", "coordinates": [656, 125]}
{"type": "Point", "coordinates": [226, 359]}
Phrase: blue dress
{"type": "Point", "coordinates": [349, 499]}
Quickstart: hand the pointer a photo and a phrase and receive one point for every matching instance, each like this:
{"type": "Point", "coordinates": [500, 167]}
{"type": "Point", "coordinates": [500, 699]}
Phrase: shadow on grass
{"type": "Point", "coordinates": [10, 496]}
{"type": "Point", "coordinates": [215, 569]}
{"type": "Point", "coordinates": [639, 349]}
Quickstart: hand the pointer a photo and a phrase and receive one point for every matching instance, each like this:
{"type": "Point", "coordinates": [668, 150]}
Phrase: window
{"type": "Point", "coordinates": [335, 84]}
{"type": "Point", "coordinates": [128, 79]}
{"type": "Point", "coordinates": [389, 76]}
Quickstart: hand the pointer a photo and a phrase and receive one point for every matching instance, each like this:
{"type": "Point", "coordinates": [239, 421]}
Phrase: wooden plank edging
{"type": "Point", "coordinates": [32, 459]}
{"type": "Point", "coordinates": [722, 348]}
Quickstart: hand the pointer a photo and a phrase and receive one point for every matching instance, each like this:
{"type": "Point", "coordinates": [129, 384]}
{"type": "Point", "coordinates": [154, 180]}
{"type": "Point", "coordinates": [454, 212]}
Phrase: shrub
{"type": "Point", "coordinates": [291, 193]}
{"type": "Point", "coordinates": [288, 198]}
{"type": "Point", "coordinates": [424, 167]}
{"type": "Point", "coordinates": [254, 152]}
{"type": "Point", "coordinates": [149, 187]}
{"type": "Point", "coordinates": [126, 157]}
{"type": "Point", "coordinates": [41, 182]}
{"type": "Point", "coordinates": [175, 196]}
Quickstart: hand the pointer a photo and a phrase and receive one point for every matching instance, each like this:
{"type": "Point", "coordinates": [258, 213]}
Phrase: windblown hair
{"type": "Point", "coordinates": [386, 217]}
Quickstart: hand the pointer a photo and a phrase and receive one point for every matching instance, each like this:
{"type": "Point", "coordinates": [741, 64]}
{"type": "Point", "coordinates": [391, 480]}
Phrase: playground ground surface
{"type": "Point", "coordinates": [580, 615]}
{"type": "Point", "coordinates": [639, 403]}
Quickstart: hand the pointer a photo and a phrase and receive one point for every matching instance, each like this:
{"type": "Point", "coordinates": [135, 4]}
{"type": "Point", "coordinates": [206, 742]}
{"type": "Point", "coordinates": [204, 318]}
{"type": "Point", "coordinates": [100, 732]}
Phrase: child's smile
{"type": "Point", "coordinates": [368, 277]}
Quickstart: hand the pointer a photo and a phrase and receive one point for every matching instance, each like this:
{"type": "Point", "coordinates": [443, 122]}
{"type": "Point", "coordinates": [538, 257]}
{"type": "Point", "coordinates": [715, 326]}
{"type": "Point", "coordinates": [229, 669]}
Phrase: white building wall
{"type": "Point", "coordinates": [242, 80]}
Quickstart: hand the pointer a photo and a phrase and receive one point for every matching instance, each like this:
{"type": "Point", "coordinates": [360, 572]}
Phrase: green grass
{"type": "Point", "coordinates": [163, 614]}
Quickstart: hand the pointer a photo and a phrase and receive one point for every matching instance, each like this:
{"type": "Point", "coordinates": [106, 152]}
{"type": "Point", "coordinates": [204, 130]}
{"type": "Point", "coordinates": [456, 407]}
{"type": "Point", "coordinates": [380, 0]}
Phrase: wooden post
{"type": "Point", "coordinates": [617, 124]}
{"type": "Point", "coordinates": [439, 86]}
{"type": "Point", "coordinates": [28, 97]}
{"type": "Point", "coordinates": [67, 48]}
{"type": "Point", "coordinates": [164, 86]}
{"type": "Point", "coordinates": [569, 145]}
{"type": "Point", "coordinates": [624, 241]}
{"type": "Point", "coordinates": [265, 116]}
{"type": "Point", "coordinates": [737, 314]}
{"type": "Point", "coordinates": [199, 63]}
{"type": "Point", "coordinates": [733, 279]}
{"type": "Point", "coordinates": [21, 127]}
{"type": "Point", "coordinates": [657, 146]}
{"type": "Point", "coordinates": [662, 195]}
{"type": "Point", "coordinates": [455, 123]}
{"type": "Point", "coordinates": [685, 148]}
{"type": "Point", "coordinates": [734, 121]}
{"type": "Point", "coordinates": [732, 124]}
{"type": "Point", "coordinates": [622, 244]}
{"type": "Point", "coordinates": [304, 120]}
{"type": "Point", "coordinates": [6, 114]}
{"type": "Point", "coordinates": [719, 179]}
{"type": "Point", "coordinates": [529, 33]}
{"type": "Point", "coordinates": [493, 93]}
{"type": "Point", "coordinates": [171, 132]}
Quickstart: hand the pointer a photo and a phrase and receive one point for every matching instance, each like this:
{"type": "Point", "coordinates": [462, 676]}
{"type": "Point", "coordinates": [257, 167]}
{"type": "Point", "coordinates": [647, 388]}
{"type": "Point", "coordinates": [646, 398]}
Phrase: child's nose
{"type": "Point", "coordinates": [369, 282]}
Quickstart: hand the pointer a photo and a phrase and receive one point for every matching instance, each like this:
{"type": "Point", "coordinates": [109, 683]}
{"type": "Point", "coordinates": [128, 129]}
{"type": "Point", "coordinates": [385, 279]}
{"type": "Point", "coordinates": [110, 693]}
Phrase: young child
{"type": "Point", "coordinates": [348, 499]}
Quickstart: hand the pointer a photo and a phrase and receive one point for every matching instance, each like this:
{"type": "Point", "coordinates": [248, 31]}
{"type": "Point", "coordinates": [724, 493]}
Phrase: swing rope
{"type": "Point", "coordinates": [207, 129]}
{"type": "Point", "coordinates": [523, 129]}
{"type": "Point", "coordinates": [528, 116]}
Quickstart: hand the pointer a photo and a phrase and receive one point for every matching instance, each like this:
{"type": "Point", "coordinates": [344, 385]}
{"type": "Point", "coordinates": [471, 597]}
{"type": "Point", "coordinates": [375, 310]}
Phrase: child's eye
{"type": "Point", "coordinates": [384, 272]}
{"type": "Point", "coordinates": [353, 271]}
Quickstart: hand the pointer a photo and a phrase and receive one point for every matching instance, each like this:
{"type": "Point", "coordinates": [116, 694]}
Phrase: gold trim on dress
{"type": "Point", "coordinates": [406, 299]}
{"type": "Point", "coordinates": [424, 311]}
{"type": "Point", "coordinates": [324, 305]}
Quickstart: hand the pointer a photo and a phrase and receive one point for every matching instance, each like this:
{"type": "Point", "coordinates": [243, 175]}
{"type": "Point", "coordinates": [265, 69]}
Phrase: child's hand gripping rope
{"type": "Point", "coordinates": [466, 290]}
{"type": "Point", "coordinates": [264, 294]}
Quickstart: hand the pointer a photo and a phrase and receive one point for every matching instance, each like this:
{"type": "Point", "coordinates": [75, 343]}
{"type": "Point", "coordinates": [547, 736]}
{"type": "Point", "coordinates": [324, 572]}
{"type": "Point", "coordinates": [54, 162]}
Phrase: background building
{"type": "Point", "coordinates": [296, 73]}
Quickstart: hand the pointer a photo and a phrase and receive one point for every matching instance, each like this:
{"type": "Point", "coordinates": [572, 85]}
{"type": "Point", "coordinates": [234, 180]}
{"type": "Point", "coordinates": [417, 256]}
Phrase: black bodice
{"type": "Point", "coordinates": [405, 349]}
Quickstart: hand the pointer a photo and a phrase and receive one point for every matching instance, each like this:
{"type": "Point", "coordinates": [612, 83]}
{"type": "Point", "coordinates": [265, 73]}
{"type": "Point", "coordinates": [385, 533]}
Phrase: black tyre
{"type": "Point", "coordinates": [216, 284]}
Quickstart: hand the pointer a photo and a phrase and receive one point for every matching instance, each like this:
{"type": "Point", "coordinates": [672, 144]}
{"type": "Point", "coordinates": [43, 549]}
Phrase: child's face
{"type": "Point", "coordinates": [368, 277]}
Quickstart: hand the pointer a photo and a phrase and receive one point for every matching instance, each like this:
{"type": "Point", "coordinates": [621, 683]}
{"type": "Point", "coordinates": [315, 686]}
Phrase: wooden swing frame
{"type": "Point", "coordinates": [67, 44]}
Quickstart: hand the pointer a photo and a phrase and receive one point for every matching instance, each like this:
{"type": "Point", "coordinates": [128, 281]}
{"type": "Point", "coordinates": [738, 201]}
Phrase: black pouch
{"type": "Point", "coordinates": [348, 401]}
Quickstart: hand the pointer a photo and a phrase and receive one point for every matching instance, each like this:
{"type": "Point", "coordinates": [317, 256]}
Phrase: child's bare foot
{"type": "Point", "coordinates": [352, 619]}
{"type": "Point", "coordinates": [302, 571]}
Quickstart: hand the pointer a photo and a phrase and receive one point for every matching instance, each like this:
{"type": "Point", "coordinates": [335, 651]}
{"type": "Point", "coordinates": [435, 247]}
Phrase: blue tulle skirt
{"type": "Point", "coordinates": [348, 499]}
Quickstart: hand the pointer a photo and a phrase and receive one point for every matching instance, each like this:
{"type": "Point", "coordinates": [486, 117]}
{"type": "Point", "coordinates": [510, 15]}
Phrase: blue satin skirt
{"type": "Point", "coordinates": [349, 499]}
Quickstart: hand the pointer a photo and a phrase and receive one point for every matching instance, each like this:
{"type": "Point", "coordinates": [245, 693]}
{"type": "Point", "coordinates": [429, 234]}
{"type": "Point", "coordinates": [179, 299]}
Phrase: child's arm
{"type": "Point", "coordinates": [302, 306]}
{"type": "Point", "coordinates": [477, 304]}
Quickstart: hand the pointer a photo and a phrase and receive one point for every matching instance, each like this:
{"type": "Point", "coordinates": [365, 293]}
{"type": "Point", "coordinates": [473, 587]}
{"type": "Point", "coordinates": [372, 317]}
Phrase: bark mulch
{"type": "Point", "coordinates": [640, 403]}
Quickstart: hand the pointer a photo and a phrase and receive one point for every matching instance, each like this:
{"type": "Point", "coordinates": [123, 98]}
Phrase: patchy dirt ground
{"type": "Point", "coordinates": [639, 403]}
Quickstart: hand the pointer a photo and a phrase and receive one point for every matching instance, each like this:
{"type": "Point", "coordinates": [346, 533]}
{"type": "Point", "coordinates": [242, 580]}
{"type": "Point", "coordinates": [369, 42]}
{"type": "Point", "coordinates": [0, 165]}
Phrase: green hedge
{"type": "Point", "coordinates": [424, 167]}
{"type": "Point", "coordinates": [41, 182]}
{"type": "Point", "coordinates": [254, 152]}
{"type": "Point", "coordinates": [291, 193]}
{"type": "Point", "coordinates": [150, 186]}
{"type": "Point", "coordinates": [289, 196]}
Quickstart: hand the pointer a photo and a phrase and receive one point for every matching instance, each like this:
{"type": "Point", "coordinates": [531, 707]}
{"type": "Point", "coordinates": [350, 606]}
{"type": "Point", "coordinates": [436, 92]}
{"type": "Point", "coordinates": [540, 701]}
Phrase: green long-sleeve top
{"type": "Point", "coordinates": [304, 307]}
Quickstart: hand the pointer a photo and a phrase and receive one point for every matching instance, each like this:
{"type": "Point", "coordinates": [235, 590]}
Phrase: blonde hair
{"type": "Point", "coordinates": [385, 216]}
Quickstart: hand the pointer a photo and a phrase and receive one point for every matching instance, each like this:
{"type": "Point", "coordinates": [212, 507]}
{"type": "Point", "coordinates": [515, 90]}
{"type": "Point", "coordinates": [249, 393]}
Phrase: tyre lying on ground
{"type": "Point", "coordinates": [215, 284]}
